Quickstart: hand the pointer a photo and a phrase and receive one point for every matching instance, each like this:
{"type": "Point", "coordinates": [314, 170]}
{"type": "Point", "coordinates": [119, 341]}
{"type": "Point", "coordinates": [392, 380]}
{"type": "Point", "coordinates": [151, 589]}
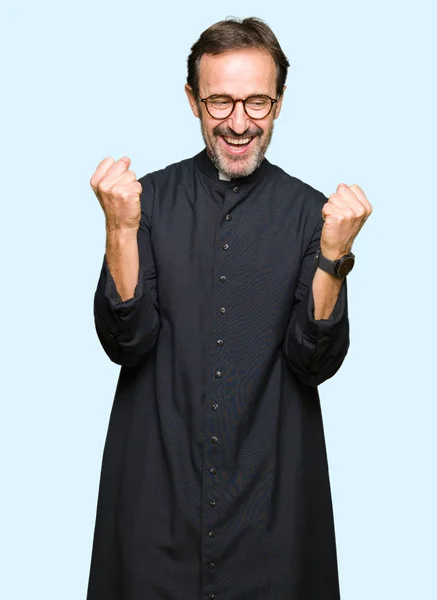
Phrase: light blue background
{"type": "Point", "coordinates": [84, 80]}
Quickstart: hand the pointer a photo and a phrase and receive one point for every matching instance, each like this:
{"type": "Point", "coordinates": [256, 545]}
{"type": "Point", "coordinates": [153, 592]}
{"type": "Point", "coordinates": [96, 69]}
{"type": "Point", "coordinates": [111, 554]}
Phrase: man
{"type": "Point", "coordinates": [223, 298]}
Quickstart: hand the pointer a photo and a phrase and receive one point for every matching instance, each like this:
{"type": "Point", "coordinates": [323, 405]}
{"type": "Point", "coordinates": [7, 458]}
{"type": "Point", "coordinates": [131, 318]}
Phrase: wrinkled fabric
{"type": "Point", "coordinates": [214, 480]}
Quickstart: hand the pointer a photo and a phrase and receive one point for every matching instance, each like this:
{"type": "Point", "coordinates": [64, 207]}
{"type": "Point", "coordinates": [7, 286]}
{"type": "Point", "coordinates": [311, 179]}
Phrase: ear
{"type": "Point", "coordinates": [279, 103]}
{"type": "Point", "coordinates": [192, 100]}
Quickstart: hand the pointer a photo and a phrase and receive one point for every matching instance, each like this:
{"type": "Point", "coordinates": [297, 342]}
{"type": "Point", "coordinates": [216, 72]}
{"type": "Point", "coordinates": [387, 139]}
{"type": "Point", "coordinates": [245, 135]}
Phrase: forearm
{"type": "Point", "coordinates": [317, 336]}
{"type": "Point", "coordinates": [123, 260]}
{"type": "Point", "coordinates": [326, 289]}
{"type": "Point", "coordinates": [315, 348]}
{"type": "Point", "coordinates": [127, 329]}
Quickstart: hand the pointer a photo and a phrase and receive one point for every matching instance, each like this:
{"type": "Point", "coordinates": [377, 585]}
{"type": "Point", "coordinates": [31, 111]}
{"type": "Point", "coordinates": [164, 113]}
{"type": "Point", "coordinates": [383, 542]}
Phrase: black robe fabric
{"type": "Point", "coordinates": [215, 480]}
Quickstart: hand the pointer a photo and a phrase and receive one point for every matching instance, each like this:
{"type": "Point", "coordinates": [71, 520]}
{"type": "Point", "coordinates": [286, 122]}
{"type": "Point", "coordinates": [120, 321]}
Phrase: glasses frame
{"type": "Point", "coordinates": [272, 100]}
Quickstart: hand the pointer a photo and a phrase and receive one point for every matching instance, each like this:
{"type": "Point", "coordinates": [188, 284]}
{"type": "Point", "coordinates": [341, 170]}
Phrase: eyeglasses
{"type": "Point", "coordinates": [255, 107]}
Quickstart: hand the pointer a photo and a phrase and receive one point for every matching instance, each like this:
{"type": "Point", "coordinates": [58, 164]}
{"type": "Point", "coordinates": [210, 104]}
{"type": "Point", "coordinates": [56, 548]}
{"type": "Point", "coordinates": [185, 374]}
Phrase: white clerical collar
{"type": "Point", "coordinates": [224, 177]}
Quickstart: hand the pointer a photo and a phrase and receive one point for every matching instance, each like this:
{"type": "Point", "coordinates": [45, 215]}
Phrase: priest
{"type": "Point", "coordinates": [223, 298]}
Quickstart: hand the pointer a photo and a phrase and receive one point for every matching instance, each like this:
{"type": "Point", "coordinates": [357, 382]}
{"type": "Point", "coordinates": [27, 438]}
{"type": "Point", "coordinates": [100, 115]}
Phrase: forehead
{"type": "Point", "coordinates": [238, 73]}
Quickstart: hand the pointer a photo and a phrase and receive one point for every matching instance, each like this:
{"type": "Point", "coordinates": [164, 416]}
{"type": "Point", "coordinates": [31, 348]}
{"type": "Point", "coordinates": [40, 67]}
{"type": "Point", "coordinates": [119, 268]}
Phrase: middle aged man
{"type": "Point", "coordinates": [223, 297]}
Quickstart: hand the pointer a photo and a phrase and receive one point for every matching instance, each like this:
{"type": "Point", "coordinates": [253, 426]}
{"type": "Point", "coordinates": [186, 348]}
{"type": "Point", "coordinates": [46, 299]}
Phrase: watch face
{"type": "Point", "coordinates": [346, 266]}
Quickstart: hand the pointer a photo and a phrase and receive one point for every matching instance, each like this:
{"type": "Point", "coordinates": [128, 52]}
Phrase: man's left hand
{"type": "Point", "coordinates": [344, 214]}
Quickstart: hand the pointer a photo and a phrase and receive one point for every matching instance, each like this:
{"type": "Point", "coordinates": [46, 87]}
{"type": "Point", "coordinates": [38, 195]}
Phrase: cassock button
{"type": "Point", "coordinates": [212, 503]}
{"type": "Point", "coordinates": [223, 310]}
{"type": "Point", "coordinates": [225, 246]}
{"type": "Point", "coordinates": [219, 342]}
{"type": "Point", "coordinates": [223, 278]}
{"type": "Point", "coordinates": [215, 407]}
{"type": "Point", "coordinates": [228, 217]}
{"type": "Point", "coordinates": [211, 595]}
{"type": "Point", "coordinates": [213, 470]}
{"type": "Point", "coordinates": [211, 534]}
{"type": "Point", "coordinates": [218, 374]}
{"type": "Point", "coordinates": [214, 439]}
{"type": "Point", "coordinates": [211, 565]}
{"type": "Point", "coordinates": [235, 189]}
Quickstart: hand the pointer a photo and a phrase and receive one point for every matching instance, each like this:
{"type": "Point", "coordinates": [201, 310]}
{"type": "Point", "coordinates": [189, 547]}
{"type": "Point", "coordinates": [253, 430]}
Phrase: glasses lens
{"type": "Point", "coordinates": [258, 107]}
{"type": "Point", "coordinates": [220, 106]}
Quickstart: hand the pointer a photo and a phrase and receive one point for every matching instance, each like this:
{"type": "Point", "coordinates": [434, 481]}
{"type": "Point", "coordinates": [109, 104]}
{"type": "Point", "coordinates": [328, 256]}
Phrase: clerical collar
{"type": "Point", "coordinates": [207, 167]}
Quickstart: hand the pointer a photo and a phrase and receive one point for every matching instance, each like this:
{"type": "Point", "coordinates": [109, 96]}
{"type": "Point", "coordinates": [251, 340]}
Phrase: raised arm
{"type": "Point", "coordinates": [317, 336]}
{"type": "Point", "coordinates": [126, 309]}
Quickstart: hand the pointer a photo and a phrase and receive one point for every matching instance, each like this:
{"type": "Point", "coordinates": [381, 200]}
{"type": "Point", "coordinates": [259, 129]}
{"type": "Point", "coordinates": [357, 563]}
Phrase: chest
{"type": "Point", "coordinates": [244, 245]}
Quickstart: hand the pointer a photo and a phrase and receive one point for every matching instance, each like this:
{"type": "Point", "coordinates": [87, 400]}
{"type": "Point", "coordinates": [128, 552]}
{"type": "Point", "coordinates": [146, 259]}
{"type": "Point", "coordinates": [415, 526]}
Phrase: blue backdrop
{"type": "Point", "coordinates": [84, 80]}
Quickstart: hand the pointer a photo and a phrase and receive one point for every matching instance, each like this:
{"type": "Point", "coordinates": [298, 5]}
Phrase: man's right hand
{"type": "Point", "coordinates": [118, 192]}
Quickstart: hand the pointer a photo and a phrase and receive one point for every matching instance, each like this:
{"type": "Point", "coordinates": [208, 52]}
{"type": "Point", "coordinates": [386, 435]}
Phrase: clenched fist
{"type": "Point", "coordinates": [344, 214]}
{"type": "Point", "coordinates": [118, 192]}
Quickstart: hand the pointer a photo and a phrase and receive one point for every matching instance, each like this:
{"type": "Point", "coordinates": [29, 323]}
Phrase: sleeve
{"type": "Point", "coordinates": [315, 349]}
{"type": "Point", "coordinates": [128, 330]}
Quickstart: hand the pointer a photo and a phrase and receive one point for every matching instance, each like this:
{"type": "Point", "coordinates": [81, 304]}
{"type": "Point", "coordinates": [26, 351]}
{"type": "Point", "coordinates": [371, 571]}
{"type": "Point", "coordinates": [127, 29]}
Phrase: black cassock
{"type": "Point", "coordinates": [215, 481]}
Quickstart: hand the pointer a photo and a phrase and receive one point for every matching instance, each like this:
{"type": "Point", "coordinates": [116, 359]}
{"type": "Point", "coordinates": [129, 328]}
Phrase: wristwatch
{"type": "Point", "coordinates": [339, 268]}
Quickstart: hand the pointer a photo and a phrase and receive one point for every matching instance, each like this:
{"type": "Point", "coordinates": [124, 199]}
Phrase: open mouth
{"type": "Point", "coordinates": [237, 145]}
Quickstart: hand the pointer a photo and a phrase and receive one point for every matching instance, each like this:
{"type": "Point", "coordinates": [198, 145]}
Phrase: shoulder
{"type": "Point", "coordinates": [299, 196]}
{"type": "Point", "coordinates": [159, 182]}
{"type": "Point", "coordinates": [168, 174]}
{"type": "Point", "coordinates": [296, 187]}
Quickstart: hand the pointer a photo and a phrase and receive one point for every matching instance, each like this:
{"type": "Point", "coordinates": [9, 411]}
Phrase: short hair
{"type": "Point", "coordinates": [237, 34]}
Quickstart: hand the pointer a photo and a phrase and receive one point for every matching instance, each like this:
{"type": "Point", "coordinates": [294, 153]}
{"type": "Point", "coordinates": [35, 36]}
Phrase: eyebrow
{"type": "Point", "coordinates": [256, 93]}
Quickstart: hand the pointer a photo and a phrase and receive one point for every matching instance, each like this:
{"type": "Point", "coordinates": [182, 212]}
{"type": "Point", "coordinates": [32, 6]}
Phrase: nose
{"type": "Point", "coordinates": [238, 121]}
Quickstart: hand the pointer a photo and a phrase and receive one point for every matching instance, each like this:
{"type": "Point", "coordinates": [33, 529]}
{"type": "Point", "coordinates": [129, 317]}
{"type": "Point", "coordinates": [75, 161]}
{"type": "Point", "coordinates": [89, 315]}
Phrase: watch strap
{"type": "Point", "coordinates": [329, 266]}
{"type": "Point", "coordinates": [334, 267]}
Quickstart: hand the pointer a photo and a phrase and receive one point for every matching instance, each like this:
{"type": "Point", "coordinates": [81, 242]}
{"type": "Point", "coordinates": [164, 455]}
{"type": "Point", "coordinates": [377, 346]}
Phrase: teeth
{"type": "Point", "coordinates": [237, 141]}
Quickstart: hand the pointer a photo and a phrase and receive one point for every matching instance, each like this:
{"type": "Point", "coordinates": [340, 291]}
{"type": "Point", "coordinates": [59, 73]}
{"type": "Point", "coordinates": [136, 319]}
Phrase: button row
{"type": "Point", "coordinates": [215, 407]}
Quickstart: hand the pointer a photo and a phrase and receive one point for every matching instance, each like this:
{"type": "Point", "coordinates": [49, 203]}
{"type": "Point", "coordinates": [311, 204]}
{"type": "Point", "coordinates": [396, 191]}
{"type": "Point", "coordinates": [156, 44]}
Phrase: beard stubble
{"type": "Point", "coordinates": [236, 166]}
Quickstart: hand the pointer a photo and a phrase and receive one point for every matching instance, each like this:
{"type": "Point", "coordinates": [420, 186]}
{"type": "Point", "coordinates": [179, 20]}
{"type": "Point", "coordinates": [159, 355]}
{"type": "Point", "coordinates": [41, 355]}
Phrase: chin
{"type": "Point", "coordinates": [240, 170]}
{"type": "Point", "coordinates": [236, 167]}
